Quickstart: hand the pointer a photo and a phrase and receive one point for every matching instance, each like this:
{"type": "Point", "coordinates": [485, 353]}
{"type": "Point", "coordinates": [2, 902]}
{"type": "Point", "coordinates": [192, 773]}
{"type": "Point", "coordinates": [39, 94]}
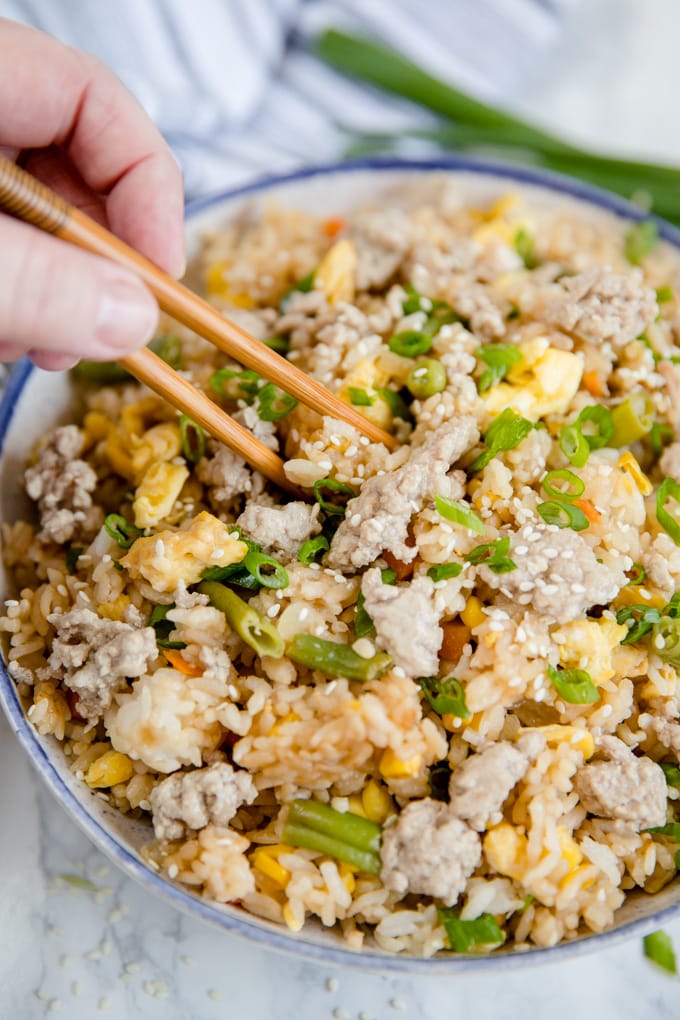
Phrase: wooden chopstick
{"type": "Point", "coordinates": [24, 196]}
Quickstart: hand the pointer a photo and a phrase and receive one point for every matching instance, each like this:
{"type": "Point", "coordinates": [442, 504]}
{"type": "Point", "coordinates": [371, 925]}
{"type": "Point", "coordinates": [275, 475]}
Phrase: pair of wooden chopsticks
{"type": "Point", "coordinates": [23, 196]}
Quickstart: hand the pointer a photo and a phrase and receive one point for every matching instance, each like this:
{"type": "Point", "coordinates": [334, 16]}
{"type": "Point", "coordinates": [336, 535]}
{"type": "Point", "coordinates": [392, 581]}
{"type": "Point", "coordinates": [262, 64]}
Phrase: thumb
{"type": "Point", "coordinates": [59, 303]}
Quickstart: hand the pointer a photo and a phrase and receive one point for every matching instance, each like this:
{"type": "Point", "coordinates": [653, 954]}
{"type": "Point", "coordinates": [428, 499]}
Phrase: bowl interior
{"type": "Point", "coordinates": [35, 401]}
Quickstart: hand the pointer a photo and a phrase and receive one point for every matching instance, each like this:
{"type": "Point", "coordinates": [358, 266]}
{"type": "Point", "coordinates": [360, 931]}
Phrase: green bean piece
{"type": "Point", "coordinates": [632, 419]}
{"type": "Point", "coordinates": [254, 628]}
{"type": "Point", "coordinates": [336, 659]}
{"type": "Point", "coordinates": [342, 835]}
{"type": "Point", "coordinates": [265, 569]}
{"type": "Point", "coordinates": [426, 378]}
{"type": "Point", "coordinates": [410, 343]}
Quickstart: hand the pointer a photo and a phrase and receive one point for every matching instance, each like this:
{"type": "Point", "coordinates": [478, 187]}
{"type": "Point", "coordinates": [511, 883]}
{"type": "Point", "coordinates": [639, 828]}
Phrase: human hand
{"type": "Point", "coordinates": [74, 126]}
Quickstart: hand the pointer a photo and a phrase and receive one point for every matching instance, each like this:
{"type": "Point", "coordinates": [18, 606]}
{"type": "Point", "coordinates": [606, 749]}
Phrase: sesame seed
{"type": "Point", "coordinates": [53, 1005]}
{"type": "Point", "coordinates": [355, 520]}
{"type": "Point", "coordinates": [340, 1014]}
{"type": "Point", "coordinates": [173, 871]}
{"type": "Point", "coordinates": [160, 547]}
{"type": "Point", "coordinates": [303, 614]}
{"type": "Point", "coordinates": [64, 960]}
{"type": "Point", "coordinates": [105, 558]}
{"type": "Point", "coordinates": [103, 1004]}
{"type": "Point", "coordinates": [214, 995]}
{"type": "Point", "coordinates": [397, 1004]}
{"type": "Point", "coordinates": [578, 589]}
{"type": "Point", "coordinates": [274, 610]}
{"type": "Point", "coordinates": [521, 550]}
{"type": "Point", "coordinates": [76, 989]}
{"type": "Point", "coordinates": [217, 554]}
{"type": "Point", "coordinates": [332, 984]}
{"type": "Point", "coordinates": [659, 642]}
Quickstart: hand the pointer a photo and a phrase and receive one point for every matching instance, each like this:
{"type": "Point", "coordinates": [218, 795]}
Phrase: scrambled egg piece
{"type": "Point", "coordinates": [168, 557]}
{"type": "Point", "coordinates": [543, 382]}
{"type": "Point", "coordinates": [162, 442]}
{"type": "Point", "coordinates": [589, 645]}
{"type": "Point", "coordinates": [157, 492]}
{"type": "Point", "coordinates": [336, 273]}
{"type": "Point", "coordinates": [217, 285]}
{"type": "Point", "coordinates": [367, 376]}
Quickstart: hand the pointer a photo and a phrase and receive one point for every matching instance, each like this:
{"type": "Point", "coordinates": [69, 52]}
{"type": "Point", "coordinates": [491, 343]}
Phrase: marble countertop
{"type": "Point", "coordinates": [112, 948]}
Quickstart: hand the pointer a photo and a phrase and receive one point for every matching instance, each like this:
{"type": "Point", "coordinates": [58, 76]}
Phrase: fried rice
{"type": "Point", "coordinates": [435, 706]}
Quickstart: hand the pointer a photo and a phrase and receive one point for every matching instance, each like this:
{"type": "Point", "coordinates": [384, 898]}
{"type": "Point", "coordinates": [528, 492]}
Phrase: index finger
{"type": "Point", "coordinates": [51, 94]}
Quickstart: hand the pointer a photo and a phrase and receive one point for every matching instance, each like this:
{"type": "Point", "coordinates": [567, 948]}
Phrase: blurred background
{"type": "Point", "coordinates": [243, 88]}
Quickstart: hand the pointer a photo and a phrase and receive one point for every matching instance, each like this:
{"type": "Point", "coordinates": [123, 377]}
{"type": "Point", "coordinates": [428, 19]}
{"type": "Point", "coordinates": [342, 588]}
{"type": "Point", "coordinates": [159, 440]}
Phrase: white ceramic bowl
{"type": "Point", "coordinates": [35, 401]}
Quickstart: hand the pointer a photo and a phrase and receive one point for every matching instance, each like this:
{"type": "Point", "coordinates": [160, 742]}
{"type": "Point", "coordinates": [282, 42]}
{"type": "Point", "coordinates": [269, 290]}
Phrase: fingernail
{"type": "Point", "coordinates": [127, 315]}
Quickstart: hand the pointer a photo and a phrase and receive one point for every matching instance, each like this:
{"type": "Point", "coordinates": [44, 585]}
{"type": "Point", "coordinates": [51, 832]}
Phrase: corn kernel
{"type": "Point", "coordinates": [392, 767]}
{"type": "Point", "coordinates": [376, 801]}
{"type": "Point", "coordinates": [356, 806]}
{"type": "Point", "coordinates": [157, 492]}
{"type": "Point", "coordinates": [628, 463]}
{"type": "Point", "coordinates": [265, 861]}
{"type": "Point", "coordinates": [570, 850]}
{"type": "Point", "coordinates": [581, 739]}
{"type": "Point", "coordinates": [639, 594]}
{"type": "Point", "coordinates": [115, 609]}
{"type": "Point", "coordinates": [472, 615]}
{"type": "Point", "coordinates": [108, 770]}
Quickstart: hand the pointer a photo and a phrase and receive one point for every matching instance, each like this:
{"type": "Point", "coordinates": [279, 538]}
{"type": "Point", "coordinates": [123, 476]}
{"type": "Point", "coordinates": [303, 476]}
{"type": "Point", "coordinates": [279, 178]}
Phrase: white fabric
{"type": "Point", "coordinates": [237, 92]}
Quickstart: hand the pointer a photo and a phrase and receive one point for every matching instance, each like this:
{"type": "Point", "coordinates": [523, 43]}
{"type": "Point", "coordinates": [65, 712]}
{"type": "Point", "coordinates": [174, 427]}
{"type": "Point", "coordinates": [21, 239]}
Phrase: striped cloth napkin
{"type": "Point", "coordinates": [238, 94]}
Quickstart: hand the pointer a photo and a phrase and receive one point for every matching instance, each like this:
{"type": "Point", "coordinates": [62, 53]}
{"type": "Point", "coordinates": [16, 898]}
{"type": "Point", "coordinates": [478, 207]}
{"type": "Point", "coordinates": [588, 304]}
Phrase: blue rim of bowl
{"type": "Point", "coordinates": [175, 895]}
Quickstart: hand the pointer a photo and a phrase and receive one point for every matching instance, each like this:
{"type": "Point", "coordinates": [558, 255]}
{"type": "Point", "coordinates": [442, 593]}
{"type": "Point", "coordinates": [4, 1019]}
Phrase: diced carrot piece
{"type": "Point", "coordinates": [401, 569]}
{"type": "Point", "coordinates": [593, 383]}
{"type": "Point", "coordinates": [456, 636]}
{"type": "Point", "coordinates": [591, 512]}
{"type": "Point", "coordinates": [334, 226]}
{"type": "Point", "coordinates": [176, 659]}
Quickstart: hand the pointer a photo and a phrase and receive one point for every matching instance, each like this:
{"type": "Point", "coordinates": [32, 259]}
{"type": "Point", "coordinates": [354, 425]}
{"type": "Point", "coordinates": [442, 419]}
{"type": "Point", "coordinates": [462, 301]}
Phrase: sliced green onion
{"type": "Point", "coordinates": [324, 485]}
{"type": "Point", "coordinates": [563, 485]}
{"type": "Point", "coordinates": [493, 555]}
{"type": "Point", "coordinates": [524, 246]}
{"type": "Point", "coordinates": [168, 348]}
{"type": "Point", "coordinates": [504, 433]}
{"type": "Point", "coordinates": [574, 685]}
{"type": "Point", "coordinates": [303, 286]}
{"type": "Point", "coordinates": [646, 342]}
{"type": "Point", "coordinates": [636, 575]}
{"type": "Point", "coordinates": [563, 514]}
{"type": "Point", "coordinates": [413, 302]}
{"type": "Point", "coordinates": [122, 531]}
{"type": "Point", "coordinates": [468, 936]}
{"type": "Point", "coordinates": [280, 344]}
{"type": "Point", "coordinates": [265, 569]}
{"type": "Point", "coordinates": [273, 403]}
{"type": "Point", "coordinates": [459, 513]}
{"type": "Point", "coordinates": [574, 445]}
{"type": "Point", "coordinates": [668, 491]}
{"type": "Point", "coordinates": [342, 835]}
{"type": "Point", "coordinates": [193, 439]}
{"type": "Point", "coordinates": [336, 659]}
{"type": "Point", "coordinates": [600, 417]}
{"type": "Point", "coordinates": [397, 405]}
{"type": "Point", "coordinates": [640, 240]}
{"type": "Point", "coordinates": [443, 571]}
{"type": "Point", "coordinates": [310, 549]}
{"type": "Point", "coordinates": [660, 435]}
{"type": "Point", "coordinates": [441, 314]}
{"type": "Point", "coordinates": [363, 624]}
{"type": "Point", "coordinates": [438, 780]}
{"type": "Point", "coordinates": [641, 618]}
{"type": "Point", "coordinates": [658, 947]}
{"type": "Point", "coordinates": [670, 829]}
{"type": "Point", "coordinates": [236, 385]}
{"type": "Point", "coordinates": [72, 557]}
{"type": "Point", "coordinates": [500, 358]}
{"type": "Point", "coordinates": [672, 608]}
{"type": "Point", "coordinates": [447, 697]}
{"type": "Point", "coordinates": [664, 295]}
{"type": "Point", "coordinates": [632, 419]}
{"type": "Point", "coordinates": [359, 397]}
{"type": "Point", "coordinates": [235, 574]}
{"type": "Point", "coordinates": [666, 639]}
{"type": "Point", "coordinates": [671, 772]}
{"type": "Point", "coordinates": [426, 378]}
{"type": "Point", "coordinates": [388, 576]}
{"type": "Point", "coordinates": [163, 627]}
{"type": "Point", "coordinates": [252, 627]}
{"type": "Point", "coordinates": [410, 343]}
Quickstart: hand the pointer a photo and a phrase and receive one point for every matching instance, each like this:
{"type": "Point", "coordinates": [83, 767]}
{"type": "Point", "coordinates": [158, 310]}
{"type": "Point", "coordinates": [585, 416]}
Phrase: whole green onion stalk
{"type": "Point", "coordinates": [472, 126]}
